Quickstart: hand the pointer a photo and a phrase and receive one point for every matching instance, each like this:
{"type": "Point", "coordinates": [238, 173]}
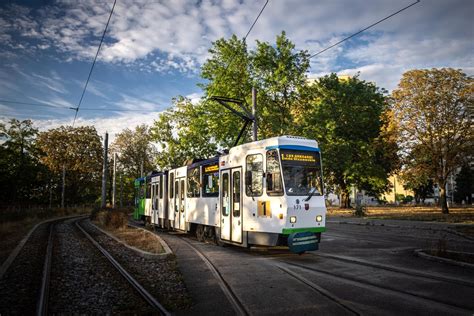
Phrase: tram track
{"type": "Point", "coordinates": [410, 272]}
{"type": "Point", "coordinates": [237, 305]}
{"type": "Point", "coordinates": [370, 285]}
{"type": "Point", "coordinates": [51, 272]}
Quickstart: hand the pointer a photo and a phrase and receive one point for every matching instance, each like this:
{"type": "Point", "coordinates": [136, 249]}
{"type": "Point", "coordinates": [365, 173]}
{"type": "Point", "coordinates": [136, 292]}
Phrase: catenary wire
{"type": "Point", "coordinates": [49, 105]}
{"type": "Point", "coordinates": [93, 63]}
{"type": "Point", "coordinates": [365, 29]}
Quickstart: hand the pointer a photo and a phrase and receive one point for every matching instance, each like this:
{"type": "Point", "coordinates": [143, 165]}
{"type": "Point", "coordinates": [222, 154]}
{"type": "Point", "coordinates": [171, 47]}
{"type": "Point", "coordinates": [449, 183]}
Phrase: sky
{"type": "Point", "coordinates": [153, 49]}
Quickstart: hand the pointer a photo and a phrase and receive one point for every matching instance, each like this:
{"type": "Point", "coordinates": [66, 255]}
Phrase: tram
{"type": "Point", "coordinates": [264, 193]}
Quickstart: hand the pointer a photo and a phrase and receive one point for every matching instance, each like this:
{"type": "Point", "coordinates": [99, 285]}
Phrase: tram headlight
{"type": "Point", "coordinates": [292, 219]}
{"type": "Point", "coordinates": [319, 218]}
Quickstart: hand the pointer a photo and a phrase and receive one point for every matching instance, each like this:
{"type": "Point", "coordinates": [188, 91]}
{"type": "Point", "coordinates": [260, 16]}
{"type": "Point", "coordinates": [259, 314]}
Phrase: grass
{"type": "Point", "coordinates": [15, 224]}
{"type": "Point", "coordinates": [464, 215]}
{"type": "Point", "coordinates": [115, 222]}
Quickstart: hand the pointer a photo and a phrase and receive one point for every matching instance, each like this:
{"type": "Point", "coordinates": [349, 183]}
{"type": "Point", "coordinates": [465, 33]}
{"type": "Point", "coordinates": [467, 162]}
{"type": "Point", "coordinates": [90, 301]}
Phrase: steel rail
{"type": "Point", "coordinates": [42, 307]}
{"type": "Point", "coordinates": [229, 293]}
{"type": "Point", "coordinates": [366, 263]}
{"type": "Point", "coordinates": [319, 289]}
{"type": "Point", "coordinates": [127, 276]}
{"type": "Point", "coordinates": [377, 286]}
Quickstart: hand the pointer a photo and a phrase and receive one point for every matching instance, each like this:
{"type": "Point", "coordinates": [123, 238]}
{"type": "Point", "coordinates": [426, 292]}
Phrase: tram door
{"type": "Point", "coordinates": [182, 194]}
{"type": "Point", "coordinates": [176, 204]}
{"type": "Point", "coordinates": [231, 205]}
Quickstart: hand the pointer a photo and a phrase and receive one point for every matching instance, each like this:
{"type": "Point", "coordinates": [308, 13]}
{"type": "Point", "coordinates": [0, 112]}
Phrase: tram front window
{"type": "Point", "coordinates": [301, 172]}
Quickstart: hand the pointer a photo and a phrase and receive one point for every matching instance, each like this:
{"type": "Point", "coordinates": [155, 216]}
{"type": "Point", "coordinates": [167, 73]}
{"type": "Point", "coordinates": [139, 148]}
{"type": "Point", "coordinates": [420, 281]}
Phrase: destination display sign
{"type": "Point", "coordinates": [296, 157]}
{"type": "Point", "coordinates": [211, 168]}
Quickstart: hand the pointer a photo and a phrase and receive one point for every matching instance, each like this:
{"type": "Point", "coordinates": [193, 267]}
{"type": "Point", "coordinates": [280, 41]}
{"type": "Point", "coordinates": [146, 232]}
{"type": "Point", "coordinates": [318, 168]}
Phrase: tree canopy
{"type": "Point", "coordinates": [435, 130]}
{"type": "Point", "coordinates": [350, 119]}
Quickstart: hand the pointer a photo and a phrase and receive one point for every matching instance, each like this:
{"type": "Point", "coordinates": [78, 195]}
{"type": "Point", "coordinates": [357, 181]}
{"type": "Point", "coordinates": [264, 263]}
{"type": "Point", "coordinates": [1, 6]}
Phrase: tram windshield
{"type": "Point", "coordinates": [301, 172]}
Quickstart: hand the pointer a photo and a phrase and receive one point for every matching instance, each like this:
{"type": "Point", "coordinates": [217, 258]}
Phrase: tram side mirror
{"type": "Point", "coordinates": [248, 177]}
{"type": "Point", "coordinates": [209, 181]}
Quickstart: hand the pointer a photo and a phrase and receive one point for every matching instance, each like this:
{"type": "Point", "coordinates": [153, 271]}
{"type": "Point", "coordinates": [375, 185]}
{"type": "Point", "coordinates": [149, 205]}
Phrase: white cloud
{"type": "Point", "coordinates": [174, 36]}
{"type": "Point", "coordinates": [112, 125]}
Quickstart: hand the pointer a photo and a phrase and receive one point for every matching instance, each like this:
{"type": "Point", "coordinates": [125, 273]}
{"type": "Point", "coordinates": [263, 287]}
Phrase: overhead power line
{"type": "Point", "coordinates": [244, 39]}
{"type": "Point", "coordinates": [365, 29]}
{"type": "Point", "coordinates": [93, 63]}
{"type": "Point", "coordinates": [49, 105]}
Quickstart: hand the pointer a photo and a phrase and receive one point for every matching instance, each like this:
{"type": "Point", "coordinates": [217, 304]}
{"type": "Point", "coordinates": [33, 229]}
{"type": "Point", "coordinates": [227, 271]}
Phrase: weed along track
{"type": "Point", "coordinates": [70, 273]}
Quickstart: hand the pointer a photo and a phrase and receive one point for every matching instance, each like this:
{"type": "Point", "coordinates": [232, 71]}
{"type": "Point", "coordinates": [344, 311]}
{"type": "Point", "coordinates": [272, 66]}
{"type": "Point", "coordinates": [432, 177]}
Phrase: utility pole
{"type": "Point", "coordinates": [113, 180]}
{"type": "Point", "coordinates": [104, 170]}
{"type": "Point", "coordinates": [120, 176]}
{"type": "Point", "coordinates": [63, 189]}
{"type": "Point", "coordinates": [254, 114]}
{"type": "Point", "coordinates": [141, 169]}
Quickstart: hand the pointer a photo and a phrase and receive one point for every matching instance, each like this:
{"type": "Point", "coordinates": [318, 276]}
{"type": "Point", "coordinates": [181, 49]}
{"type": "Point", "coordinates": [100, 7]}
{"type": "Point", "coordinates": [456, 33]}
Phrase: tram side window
{"type": "Point", "coordinates": [161, 186]}
{"type": "Point", "coordinates": [236, 193]}
{"type": "Point", "coordinates": [273, 175]}
{"type": "Point", "coordinates": [148, 190]}
{"type": "Point", "coordinates": [225, 195]}
{"type": "Point", "coordinates": [210, 181]}
{"type": "Point", "coordinates": [171, 185]}
{"type": "Point", "coordinates": [194, 185]}
{"type": "Point", "coordinates": [254, 175]}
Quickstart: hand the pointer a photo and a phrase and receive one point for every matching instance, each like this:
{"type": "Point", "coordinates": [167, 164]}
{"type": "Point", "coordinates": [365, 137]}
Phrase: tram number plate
{"type": "Point", "coordinates": [301, 242]}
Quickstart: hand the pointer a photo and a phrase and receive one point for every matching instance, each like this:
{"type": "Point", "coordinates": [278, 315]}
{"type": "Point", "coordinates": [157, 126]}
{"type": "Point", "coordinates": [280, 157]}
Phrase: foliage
{"type": "Point", "coordinates": [80, 151]}
{"type": "Point", "coordinates": [23, 179]}
{"type": "Point", "coordinates": [420, 184]}
{"type": "Point", "coordinates": [189, 130]}
{"type": "Point", "coordinates": [349, 118]}
{"type": "Point", "coordinates": [435, 132]}
{"type": "Point", "coordinates": [183, 133]}
{"type": "Point", "coordinates": [464, 185]}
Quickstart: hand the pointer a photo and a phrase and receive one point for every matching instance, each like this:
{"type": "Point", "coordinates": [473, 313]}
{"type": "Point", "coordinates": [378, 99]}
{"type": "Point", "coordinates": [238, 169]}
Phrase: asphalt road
{"type": "Point", "coordinates": [359, 270]}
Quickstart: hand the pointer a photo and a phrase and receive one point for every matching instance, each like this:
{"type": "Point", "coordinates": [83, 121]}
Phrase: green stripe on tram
{"type": "Point", "coordinates": [287, 231]}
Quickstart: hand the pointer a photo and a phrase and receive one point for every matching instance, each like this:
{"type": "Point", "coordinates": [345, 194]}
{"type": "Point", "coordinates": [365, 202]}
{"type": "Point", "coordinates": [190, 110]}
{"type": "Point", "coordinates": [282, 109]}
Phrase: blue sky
{"type": "Point", "coordinates": [153, 49]}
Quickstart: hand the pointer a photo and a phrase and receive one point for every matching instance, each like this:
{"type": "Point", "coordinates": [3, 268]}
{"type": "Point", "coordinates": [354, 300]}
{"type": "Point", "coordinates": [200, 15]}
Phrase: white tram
{"type": "Point", "coordinates": [268, 192]}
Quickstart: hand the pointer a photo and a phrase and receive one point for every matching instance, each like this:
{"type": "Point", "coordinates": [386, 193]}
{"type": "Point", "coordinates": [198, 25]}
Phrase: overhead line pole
{"type": "Point", "coordinates": [104, 170]}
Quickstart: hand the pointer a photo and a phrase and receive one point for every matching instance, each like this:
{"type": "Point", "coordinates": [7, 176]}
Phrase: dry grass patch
{"type": "Point", "coordinates": [419, 213]}
{"type": "Point", "coordinates": [15, 224]}
{"type": "Point", "coordinates": [115, 222]}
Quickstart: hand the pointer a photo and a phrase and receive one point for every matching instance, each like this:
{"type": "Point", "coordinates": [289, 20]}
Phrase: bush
{"type": "Point", "coordinates": [360, 210]}
{"type": "Point", "coordinates": [110, 218]}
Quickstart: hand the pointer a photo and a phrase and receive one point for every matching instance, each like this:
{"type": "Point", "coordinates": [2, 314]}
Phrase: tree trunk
{"type": "Point", "coordinates": [345, 199]}
{"type": "Point", "coordinates": [443, 202]}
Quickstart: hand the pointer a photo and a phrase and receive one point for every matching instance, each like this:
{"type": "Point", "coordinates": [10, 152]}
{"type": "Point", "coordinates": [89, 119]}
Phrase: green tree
{"type": "Point", "coordinates": [279, 73]}
{"type": "Point", "coordinates": [350, 119]}
{"type": "Point", "coordinates": [135, 151]}
{"type": "Point", "coordinates": [80, 150]}
{"type": "Point", "coordinates": [464, 185]}
{"type": "Point", "coordinates": [183, 132]}
{"type": "Point", "coordinates": [435, 131]}
{"type": "Point", "coordinates": [23, 178]}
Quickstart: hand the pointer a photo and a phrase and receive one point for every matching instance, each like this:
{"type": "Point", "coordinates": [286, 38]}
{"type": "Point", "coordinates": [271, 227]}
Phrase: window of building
{"type": "Point", "coordinates": [194, 183]}
{"type": "Point", "coordinates": [254, 175]}
{"type": "Point", "coordinates": [273, 175]}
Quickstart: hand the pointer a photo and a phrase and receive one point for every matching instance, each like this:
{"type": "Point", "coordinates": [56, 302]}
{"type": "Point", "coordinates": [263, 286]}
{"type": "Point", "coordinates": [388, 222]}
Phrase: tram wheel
{"type": "Point", "coordinates": [200, 233]}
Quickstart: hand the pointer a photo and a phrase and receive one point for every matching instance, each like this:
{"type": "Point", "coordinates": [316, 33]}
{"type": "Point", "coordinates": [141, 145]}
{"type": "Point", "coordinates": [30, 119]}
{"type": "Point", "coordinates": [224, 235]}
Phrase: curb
{"type": "Point", "coordinates": [162, 241]}
{"type": "Point", "coordinates": [20, 245]}
{"type": "Point", "coordinates": [142, 253]}
{"type": "Point", "coordinates": [420, 253]}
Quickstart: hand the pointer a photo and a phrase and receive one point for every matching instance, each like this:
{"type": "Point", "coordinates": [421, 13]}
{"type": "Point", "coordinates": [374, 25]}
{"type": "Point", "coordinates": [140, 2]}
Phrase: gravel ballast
{"type": "Point", "coordinates": [159, 276]}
